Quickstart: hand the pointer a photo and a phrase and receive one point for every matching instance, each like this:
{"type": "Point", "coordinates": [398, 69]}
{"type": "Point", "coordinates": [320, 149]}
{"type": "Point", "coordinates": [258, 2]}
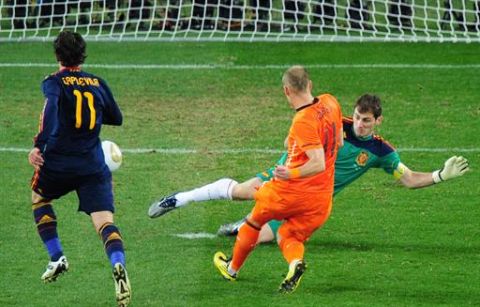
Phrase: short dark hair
{"type": "Point", "coordinates": [70, 48]}
{"type": "Point", "coordinates": [369, 103]}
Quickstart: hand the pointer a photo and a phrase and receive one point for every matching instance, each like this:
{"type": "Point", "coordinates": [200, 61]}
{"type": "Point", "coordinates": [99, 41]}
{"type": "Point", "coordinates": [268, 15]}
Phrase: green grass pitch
{"type": "Point", "coordinates": [383, 245]}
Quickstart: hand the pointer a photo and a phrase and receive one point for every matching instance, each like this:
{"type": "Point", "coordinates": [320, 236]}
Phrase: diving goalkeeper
{"type": "Point", "coordinates": [362, 150]}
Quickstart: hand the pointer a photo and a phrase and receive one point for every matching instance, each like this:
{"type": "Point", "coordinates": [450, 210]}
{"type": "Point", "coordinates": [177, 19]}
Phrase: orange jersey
{"type": "Point", "coordinates": [315, 126]}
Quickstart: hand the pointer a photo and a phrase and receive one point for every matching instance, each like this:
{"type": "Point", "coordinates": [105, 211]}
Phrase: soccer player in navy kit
{"type": "Point", "coordinates": [67, 156]}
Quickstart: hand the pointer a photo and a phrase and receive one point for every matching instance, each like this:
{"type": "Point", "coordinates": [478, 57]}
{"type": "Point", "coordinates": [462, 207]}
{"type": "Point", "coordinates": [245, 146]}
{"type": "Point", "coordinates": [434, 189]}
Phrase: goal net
{"type": "Point", "coordinates": [244, 20]}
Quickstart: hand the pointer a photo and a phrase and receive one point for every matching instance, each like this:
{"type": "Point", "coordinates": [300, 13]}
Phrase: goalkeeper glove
{"type": "Point", "coordinates": [453, 167]}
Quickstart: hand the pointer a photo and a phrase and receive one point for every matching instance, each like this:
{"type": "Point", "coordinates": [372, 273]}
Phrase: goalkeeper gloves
{"type": "Point", "coordinates": [453, 167]}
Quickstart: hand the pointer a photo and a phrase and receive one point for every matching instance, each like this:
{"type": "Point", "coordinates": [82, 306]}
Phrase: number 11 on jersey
{"type": "Point", "coordinates": [78, 111]}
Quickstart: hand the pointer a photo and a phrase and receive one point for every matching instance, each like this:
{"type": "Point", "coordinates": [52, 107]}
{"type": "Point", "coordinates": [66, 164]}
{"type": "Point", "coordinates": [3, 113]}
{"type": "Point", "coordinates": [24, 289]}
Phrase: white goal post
{"type": "Point", "coordinates": [243, 20]}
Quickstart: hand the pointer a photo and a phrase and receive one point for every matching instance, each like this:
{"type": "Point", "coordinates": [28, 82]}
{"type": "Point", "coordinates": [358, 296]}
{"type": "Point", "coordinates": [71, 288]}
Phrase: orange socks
{"type": "Point", "coordinates": [245, 243]}
{"type": "Point", "coordinates": [292, 249]}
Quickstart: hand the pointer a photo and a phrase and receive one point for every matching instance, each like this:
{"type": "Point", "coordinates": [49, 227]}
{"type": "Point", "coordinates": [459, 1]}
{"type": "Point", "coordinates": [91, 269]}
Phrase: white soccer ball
{"type": "Point", "coordinates": [113, 155]}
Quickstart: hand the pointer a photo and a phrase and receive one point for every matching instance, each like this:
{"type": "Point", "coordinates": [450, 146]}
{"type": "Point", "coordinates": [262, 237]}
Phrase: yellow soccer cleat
{"type": "Point", "coordinates": [291, 282]}
{"type": "Point", "coordinates": [221, 262]}
{"type": "Point", "coordinates": [123, 291]}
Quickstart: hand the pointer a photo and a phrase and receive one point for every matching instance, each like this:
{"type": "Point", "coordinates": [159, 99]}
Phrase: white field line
{"type": "Point", "coordinates": [251, 67]}
{"type": "Point", "coordinates": [196, 235]}
{"type": "Point", "coordinates": [180, 151]}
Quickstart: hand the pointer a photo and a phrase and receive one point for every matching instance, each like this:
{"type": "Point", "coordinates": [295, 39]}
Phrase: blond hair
{"type": "Point", "coordinates": [296, 78]}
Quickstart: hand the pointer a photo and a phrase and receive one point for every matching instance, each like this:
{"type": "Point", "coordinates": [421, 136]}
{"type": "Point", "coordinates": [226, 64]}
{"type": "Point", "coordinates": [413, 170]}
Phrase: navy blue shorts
{"type": "Point", "coordinates": [94, 191]}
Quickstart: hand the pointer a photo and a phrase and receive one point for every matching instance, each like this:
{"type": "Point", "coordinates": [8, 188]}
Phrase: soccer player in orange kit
{"type": "Point", "coordinates": [302, 189]}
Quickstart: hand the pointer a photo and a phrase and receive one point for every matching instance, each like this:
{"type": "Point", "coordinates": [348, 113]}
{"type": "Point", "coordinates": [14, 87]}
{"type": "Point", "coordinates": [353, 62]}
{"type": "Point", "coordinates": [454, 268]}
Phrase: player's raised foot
{"type": "Point", "coordinates": [55, 269]}
{"type": "Point", "coordinates": [221, 262]}
{"type": "Point", "coordinates": [230, 229]}
{"type": "Point", "coordinates": [291, 282]}
{"type": "Point", "coordinates": [162, 206]}
{"type": "Point", "coordinates": [123, 291]}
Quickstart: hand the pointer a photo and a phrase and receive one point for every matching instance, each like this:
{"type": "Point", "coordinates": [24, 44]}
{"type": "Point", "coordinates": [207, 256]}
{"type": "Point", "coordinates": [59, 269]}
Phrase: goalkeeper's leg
{"type": "Point", "coordinates": [224, 188]}
{"type": "Point", "coordinates": [220, 189]}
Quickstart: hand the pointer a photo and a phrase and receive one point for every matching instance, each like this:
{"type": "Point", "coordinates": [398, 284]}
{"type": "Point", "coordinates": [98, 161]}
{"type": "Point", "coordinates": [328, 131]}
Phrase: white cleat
{"type": "Point", "coordinates": [55, 269]}
{"type": "Point", "coordinates": [162, 206]}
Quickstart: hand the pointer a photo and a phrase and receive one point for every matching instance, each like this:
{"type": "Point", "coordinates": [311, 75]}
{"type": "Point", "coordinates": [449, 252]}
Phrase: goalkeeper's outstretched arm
{"type": "Point", "coordinates": [454, 167]}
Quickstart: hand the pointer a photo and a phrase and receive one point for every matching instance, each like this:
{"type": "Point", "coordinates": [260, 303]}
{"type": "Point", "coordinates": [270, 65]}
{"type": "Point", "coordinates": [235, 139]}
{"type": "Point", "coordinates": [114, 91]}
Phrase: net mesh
{"type": "Point", "coordinates": [244, 20]}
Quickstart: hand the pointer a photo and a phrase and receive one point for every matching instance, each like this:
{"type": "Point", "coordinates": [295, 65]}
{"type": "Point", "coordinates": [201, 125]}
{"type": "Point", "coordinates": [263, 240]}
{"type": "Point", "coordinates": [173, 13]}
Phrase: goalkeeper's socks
{"type": "Point", "coordinates": [46, 222]}
{"type": "Point", "coordinates": [220, 189]}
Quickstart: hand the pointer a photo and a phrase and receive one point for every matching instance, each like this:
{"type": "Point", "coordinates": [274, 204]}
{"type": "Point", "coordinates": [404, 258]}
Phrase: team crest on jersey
{"type": "Point", "coordinates": [362, 158]}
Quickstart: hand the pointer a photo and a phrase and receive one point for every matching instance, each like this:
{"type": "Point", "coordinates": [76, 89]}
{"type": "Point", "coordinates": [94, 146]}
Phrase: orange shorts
{"type": "Point", "coordinates": [302, 213]}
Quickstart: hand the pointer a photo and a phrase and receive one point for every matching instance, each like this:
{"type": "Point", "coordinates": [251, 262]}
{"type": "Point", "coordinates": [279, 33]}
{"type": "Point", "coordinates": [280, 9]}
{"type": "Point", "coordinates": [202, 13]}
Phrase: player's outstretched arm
{"type": "Point", "coordinates": [454, 167]}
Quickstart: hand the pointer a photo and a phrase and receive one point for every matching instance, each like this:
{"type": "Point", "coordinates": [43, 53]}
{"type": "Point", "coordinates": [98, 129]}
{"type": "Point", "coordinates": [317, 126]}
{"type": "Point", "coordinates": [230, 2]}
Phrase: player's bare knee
{"type": "Point", "coordinates": [101, 220]}
{"type": "Point", "coordinates": [266, 234]}
{"type": "Point", "coordinates": [246, 189]}
{"type": "Point", "coordinates": [238, 192]}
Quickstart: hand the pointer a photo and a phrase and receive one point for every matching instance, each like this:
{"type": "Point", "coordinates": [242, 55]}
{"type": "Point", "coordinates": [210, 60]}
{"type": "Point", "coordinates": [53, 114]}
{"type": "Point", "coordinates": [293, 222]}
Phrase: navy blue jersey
{"type": "Point", "coordinates": [76, 105]}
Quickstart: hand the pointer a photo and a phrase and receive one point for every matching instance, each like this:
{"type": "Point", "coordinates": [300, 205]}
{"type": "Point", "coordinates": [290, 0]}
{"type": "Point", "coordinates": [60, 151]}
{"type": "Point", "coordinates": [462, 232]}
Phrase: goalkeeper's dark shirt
{"type": "Point", "coordinates": [76, 105]}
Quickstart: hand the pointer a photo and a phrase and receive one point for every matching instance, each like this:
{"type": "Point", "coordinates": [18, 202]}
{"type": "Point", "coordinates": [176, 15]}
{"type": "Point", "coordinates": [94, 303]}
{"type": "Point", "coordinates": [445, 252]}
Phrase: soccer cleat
{"type": "Point", "coordinates": [55, 269]}
{"type": "Point", "coordinates": [162, 206]}
{"type": "Point", "coordinates": [123, 291]}
{"type": "Point", "coordinates": [221, 262]}
{"type": "Point", "coordinates": [230, 229]}
{"type": "Point", "coordinates": [291, 282]}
